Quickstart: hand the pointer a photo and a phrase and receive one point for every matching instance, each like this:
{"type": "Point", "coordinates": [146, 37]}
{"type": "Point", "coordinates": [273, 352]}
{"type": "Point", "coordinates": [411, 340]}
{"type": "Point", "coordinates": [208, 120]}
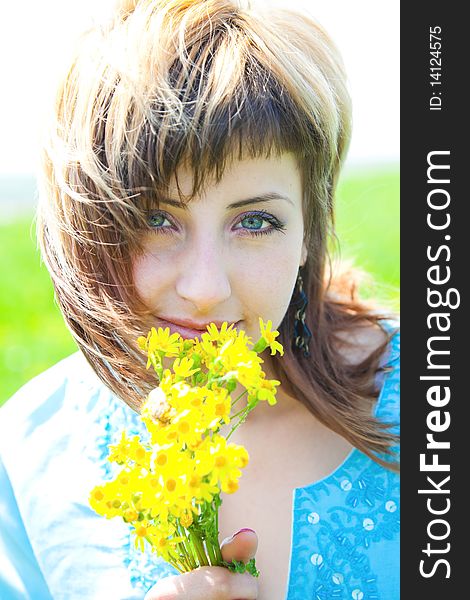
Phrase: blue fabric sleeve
{"type": "Point", "coordinates": [20, 575]}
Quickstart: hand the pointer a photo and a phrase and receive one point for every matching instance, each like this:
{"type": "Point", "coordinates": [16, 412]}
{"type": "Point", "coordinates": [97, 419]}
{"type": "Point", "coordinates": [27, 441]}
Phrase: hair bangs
{"type": "Point", "coordinates": [196, 86]}
{"type": "Point", "coordinates": [227, 106]}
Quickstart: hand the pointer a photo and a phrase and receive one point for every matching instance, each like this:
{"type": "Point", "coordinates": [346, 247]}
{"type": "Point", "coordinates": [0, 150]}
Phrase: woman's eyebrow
{"type": "Point", "coordinates": [255, 199]}
{"type": "Point", "coordinates": [260, 198]}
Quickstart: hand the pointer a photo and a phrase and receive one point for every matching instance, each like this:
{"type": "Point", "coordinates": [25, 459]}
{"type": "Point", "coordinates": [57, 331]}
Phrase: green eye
{"type": "Point", "coordinates": [156, 220]}
{"type": "Point", "coordinates": [259, 223]}
{"type": "Point", "coordinates": [160, 222]}
{"type": "Point", "coordinates": [252, 222]}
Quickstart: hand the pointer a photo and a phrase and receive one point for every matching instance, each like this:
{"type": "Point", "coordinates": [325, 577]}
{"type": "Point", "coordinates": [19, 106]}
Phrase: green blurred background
{"type": "Point", "coordinates": [33, 336]}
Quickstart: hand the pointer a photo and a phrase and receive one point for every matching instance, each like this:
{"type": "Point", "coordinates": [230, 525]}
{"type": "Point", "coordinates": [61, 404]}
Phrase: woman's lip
{"type": "Point", "coordinates": [185, 329]}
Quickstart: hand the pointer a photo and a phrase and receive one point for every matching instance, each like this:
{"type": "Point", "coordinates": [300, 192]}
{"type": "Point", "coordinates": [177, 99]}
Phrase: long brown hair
{"type": "Point", "coordinates": [167, 82]}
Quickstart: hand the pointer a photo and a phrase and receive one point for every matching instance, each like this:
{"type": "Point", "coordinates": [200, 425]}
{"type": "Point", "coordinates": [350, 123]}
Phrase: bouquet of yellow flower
{"type": "Point", "coordinates": [168, 486]}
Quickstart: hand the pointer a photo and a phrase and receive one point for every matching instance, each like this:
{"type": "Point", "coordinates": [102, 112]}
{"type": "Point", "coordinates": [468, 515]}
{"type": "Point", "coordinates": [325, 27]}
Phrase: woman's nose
{"type": "Point", "coordinates": [203, 279]}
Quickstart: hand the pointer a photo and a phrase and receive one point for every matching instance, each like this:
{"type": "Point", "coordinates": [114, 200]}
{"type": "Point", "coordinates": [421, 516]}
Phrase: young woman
{"type": "Point", "coordinates": [189, 178]}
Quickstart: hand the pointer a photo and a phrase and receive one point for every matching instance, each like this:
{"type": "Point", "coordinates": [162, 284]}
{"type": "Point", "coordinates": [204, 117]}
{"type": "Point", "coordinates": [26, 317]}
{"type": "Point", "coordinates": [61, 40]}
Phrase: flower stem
{"type": "Point", "coordinates": [239, 413]}
{"type": "Point", "coordinates": [187, 548]}
{"type": "Point", "coordinates": [178, 563]}
{"type": "Point", "coordinates": [199, 548]}
{"type": "Point", "coordinates": [177, 566]}
{"type": "Point", "coordinates": [184, 565]}
{"type": "Point", "coordinates": [211, 553]}
{"type": "Point", "coordinates": [218, 553]}
{"type": "Point", "coordinates": [238, 398]}
{"type": "Point", "coordinates": [242, 418]}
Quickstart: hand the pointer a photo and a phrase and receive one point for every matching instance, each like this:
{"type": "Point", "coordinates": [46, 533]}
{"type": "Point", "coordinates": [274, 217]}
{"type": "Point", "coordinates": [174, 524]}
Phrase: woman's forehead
{"type": "Point", "coordinates": [238, 175]}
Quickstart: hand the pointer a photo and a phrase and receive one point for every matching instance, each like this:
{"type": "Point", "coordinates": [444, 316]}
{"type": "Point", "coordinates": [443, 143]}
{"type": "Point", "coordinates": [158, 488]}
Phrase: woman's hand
{"type": "Point", "coordinates": [214, 583]}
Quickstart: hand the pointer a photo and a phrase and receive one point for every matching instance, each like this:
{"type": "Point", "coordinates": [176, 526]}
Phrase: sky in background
{"type": "Point", "coordinates": [36, 37]}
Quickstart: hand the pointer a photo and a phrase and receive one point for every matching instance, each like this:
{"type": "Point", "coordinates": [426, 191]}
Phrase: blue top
{"type": "Point", "coordinates": [54, 435]}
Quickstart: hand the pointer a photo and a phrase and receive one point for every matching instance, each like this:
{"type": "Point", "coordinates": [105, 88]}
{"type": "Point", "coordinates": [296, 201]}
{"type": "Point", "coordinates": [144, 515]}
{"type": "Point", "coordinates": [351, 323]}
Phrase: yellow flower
{"type": "Point", "coordinates": [105, 501]}
{"type": "Point", "coordinates": [167, 460]}
{"type": "Point", "coordinates": [217, 407]}
{"type": "Point", "coordinates": [164, 541]}
{"type": "Point", "coordinates": [229, 486]}
{"type": "Point", "coordinates": [98, 499]}
{"type": "Point", "coordinates": [172, 487]}
{"type": "Point", "coordinates": [162, 341]}
{"type": "Point", "coordinates": [119, 452]}
{"type": "Point", "coordinates": [244, 339]}
{"type": "Point", "coordinates": [129, 451]}
{"type": "Point", "coordinates": [270, 337]}
{"type": "Point", "coordinates": [224, 460]}
{"type": "Point", "coordinates": [186, 519]}
{"type": "Point", "coordinates": [125, 483]}
{"type": "Point", "coordinates": [225, 333]}
{"type": "Point", "coordinates": [267, 390]}
{"type": "Point", "coordinates": [235, 353]}
{"type": "Point", "coordinates": [142, 531]}
{"type": "Point", "coordinates": [142, 342]}
{"type": "Point", "coordinates": [150, 487]}
{"type": "Point", "coordinates": [188, 426]}
{"type": "Point", "coordinates": [249, 374]}
{"type": "Point", "coordinates": [184, 367]}
{"type": "Point", "coordinates": [199, 488]}
{"type": "Point", "coordinates": [130, 515]}
{"type": "Point", "coordinates": [206, 349]}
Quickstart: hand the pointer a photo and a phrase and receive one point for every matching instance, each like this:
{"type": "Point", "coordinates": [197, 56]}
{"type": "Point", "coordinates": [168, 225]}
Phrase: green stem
{"type": "Point", "coordinates": [185, 566]}
{"type": "Point", "coordinates": [239, 412]}
{"type": "Point", "coordinates": [195, 553]}
{"type": "Point", "coordinates": [199, 547]}
{"type": "Point", "coordinates": [246, 411]}
{"type": "Point", "coordinates": [192, 559]}
{"type": "Point", "coordinates": [235, 427]}
{"type": "Point", "coordinates": [188, 550]}
{"type": "Point", "coordinates": [238, 398]}
{"type": "Point", "coordinates": [211, 553]}
{"type": "Point", "coordinates": [212, 533]}
{"type": "Point", "coordinates": [159, 372]}
{"type": "Point", "coordinates": [213, 549]}
{"type": "Point", "coordinates": [177, 566]}
{"type": "Point", "coordinates": [218, 554]}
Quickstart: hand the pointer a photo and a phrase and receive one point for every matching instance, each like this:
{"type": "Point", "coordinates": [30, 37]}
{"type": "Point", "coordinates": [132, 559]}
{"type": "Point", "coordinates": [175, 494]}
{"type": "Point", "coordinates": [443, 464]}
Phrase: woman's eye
{"type": "Point", "coordinates": [158, 220]}
{"type": "Point", "coordinates": [253, 222]}
{"type": "Point", "coordinates": [259, 223]}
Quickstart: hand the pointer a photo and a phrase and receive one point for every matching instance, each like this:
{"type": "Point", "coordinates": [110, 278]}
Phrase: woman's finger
{"type": "Point", "coordinates": [206, 583]}
{"type": "Point", "coordinates": [241, 546]}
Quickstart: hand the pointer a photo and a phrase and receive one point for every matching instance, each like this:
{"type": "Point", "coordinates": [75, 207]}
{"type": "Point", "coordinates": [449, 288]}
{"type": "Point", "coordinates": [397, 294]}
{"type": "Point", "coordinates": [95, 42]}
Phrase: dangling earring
{"type": "Point", "coordinates": [302, 333]}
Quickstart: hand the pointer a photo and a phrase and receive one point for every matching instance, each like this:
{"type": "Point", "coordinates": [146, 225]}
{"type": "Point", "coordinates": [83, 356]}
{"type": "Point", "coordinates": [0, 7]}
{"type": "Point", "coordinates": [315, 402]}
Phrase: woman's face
{"type": "Point", "coordinates": [231, 254]}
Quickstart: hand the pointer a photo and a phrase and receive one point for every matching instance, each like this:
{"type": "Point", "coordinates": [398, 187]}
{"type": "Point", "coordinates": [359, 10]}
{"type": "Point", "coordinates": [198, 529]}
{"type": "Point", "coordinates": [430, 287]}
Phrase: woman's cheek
{"type": "Point", "coordinates": [149, 275]}
{"type": "Point", "coordinates": [267, 285]}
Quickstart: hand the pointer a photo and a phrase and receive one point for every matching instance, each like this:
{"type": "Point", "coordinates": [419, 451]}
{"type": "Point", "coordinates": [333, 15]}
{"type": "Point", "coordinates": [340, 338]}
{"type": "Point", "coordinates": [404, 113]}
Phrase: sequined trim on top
{"type": "Point", "coordinates": [346, 527]}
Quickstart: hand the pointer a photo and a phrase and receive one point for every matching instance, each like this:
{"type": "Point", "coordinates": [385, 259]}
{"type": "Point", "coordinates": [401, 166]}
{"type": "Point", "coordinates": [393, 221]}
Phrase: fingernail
{"type": "Point", "coordinates": [241, 530]}
{"type": "Point", "coordinates": [232, 537]}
